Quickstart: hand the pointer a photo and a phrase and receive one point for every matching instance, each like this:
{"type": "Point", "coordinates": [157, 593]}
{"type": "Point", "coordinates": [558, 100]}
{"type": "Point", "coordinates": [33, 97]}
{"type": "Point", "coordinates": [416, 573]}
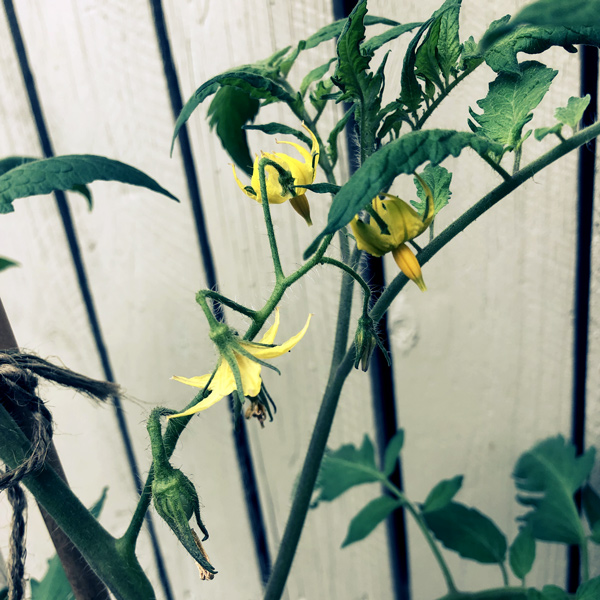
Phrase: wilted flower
{"type": "Point", "coordinates": [302, 173]}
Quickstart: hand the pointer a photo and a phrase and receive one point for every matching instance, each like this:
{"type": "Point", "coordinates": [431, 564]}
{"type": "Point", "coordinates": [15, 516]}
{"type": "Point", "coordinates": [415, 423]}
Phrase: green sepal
{"type": "Point", "coordinates": [403, 155]}
{"type": "Point", "coordinates": [468, 532]}
{"type": "Point", "coordinates": [64, 173]}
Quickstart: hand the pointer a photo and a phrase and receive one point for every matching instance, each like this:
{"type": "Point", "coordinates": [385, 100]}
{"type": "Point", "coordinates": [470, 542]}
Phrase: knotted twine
{"type": "Point", "coordinates": [19, 374]}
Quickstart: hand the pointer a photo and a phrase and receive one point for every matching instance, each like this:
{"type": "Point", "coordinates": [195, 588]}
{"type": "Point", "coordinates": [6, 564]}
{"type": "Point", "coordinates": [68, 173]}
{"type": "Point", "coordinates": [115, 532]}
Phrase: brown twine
{"type": "Point", "coordinates": [19, 374]}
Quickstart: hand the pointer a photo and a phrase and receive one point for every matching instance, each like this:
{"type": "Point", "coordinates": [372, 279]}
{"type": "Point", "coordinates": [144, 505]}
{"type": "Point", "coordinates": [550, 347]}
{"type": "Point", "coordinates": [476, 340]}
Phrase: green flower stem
{"type": "Point", "coordinates": [478, 209]}
{"type": "Point", "coordinates": [262, 164]}
{"type": "Point", "coordinates": [307, 479]}
{"type": "Point", "coordinates": [428, 112]}
{"type": "Point", "coordinates": [415, 513]}
{"type": "Point", "coordinates": [248, 312]}
{"type": "Point", "coordinates": [352, 273]}
{"type": "Point", "coordinates": [490, 161]}
{"type": "Point", "coordinates": [210, 317]}
{"type": "Point", "coordinates": [114, 563]}
{"type": "Point", "coordinates": [159, 455]}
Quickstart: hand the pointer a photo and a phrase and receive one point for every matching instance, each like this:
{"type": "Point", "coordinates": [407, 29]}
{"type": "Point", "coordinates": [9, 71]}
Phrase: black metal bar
{"type": "Point", "coordinates": [383, 394]}
{"type": "Point", "coordinates": [71, 235]}
{"type": "Point", "coordinates": [585, 193]}
{"type": "Point", "coordinates": [240, 435]}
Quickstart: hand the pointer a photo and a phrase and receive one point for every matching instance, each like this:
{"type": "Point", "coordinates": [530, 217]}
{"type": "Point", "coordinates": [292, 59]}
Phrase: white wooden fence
{"type": "Point", "coordinates": [482, 361]}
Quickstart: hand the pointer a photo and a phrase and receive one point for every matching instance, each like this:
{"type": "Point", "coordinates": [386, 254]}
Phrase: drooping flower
{"type": "Point", "coordinates": [403, 223]}
{"type": "Point", "coordinates": [303, 173]}
{"type": "Point", "coordinates": [245, 354]}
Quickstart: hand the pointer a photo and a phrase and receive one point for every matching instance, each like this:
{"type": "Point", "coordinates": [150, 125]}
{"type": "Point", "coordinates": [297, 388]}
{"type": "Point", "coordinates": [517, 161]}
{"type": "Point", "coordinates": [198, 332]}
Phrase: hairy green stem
{"type": "Point", "coordinates": [306, 481]}
{"type": "Point", "coordinates": [248, 312]}
{"type": "Point", "coordinates": [352, 273]}
{"type": "Point", "coordinates": [490, 161]}
{"type": "Point", "coordinates": [414, 512]}
{"type": "Point", "coordinates": [112, 562]}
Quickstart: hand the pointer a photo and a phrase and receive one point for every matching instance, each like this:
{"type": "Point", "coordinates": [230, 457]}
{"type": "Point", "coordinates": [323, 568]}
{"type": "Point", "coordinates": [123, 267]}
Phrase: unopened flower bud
{"type": "Point", "coordinates": [365, 341]}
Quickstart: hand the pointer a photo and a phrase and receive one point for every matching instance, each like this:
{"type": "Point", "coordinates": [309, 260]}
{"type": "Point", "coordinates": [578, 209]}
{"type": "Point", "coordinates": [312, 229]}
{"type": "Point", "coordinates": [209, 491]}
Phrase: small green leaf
{"type": "Point", "coordinates": [548, 476]}
{"type": "Point", "coordinates": [280, 128]}
{"type": "Point", "coordinates": [426, 63]}
{"type": "Point", "coordinates": [540, 133]}
{"type": "Point", "coordinates": [66, 172]}
{"type": "Point", "coordinates": [438, 179]}
{"type": "Point", "coordinates": [257, 82]}
{"type": "Point", "coordinates": [6, 263]}
{"type": "Point", "coordinates": [392, 451]}
{"type": "Point", "coordinates": [442, 494]}
{"type": "Point", "coordinates": [369, 517]}
{"type": "Point", "coordinates": [403, 155]}
{"type": "Point", "coordinates": [314, 75]}
{"type": "Point", "coordinates": [344, 468]}
{"type": "Point", "coordinates": [321, 188]}
{"type": "Point", "coordinates": [468, 532]}
{"type": "Point", "coordinates": [377, 41]}
{"type": "Point", "coordinates": [510, 102]}
{"type": "Point", "coordinates": [590, 590]}
{"type": "Point", "coordinates": [333, 136]}
{"type": "Point", "coordinates": [522, 553]}
{"type": "Point", "coordinates": [531, 39]}
{"type": "Point", "coordinates": [229, 111]}
{"type": "Point", "coordinates": [449, 48]}
{"type": "Point", "coordinates": [333, 30]}
{"type": "Point", "coordinates": [591, 504]}
{"type": "Point", "coordinates": [470, 56]}
{"type": "Point", "coordinates": [553, 592]}
{"type": "Point", "coordinates": [411, 93]}
{"type": "Point", "coordinates": [571, 114]}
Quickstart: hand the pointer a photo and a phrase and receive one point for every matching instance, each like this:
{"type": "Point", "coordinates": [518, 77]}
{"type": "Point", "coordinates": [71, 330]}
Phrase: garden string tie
{"type": "Point", "coordinates": [19, 374]}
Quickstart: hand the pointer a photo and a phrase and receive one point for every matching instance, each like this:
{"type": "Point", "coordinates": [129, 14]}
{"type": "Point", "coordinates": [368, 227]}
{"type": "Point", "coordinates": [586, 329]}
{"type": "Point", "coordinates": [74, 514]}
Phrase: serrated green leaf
{"type": "Point", "coordinates": [392, 451]}
{"type": "Point", "coordinates": [377, 41]}
{"type": "Point", "coordinates": [438, 179]}
{"type": "Point", "coordinates": [280, 128]}
{"type": "Point", "coordinates": [411, 93]}
{"type": "Point", "coordinates": [333, 136]}
{"type": "Point", "coordinates": [449, 48]}
{"type": "Point", "coordinates": [65, 172]}
{"type": "Point", "coordinates": [426, 64]}
{"type": "Point", "coordinates": [442, 494]}
{"type": "Point", "coordinates": [548, 476]}
{"type": "Point", "coordinates": [314, 75]}
{"type": "Point", "coordinates": [320, 95]}
{"type": "Point", "coordinates": [531, 39]}
{"type": "Point", "coordinates": [369, 517]}
{"type": "Point", "coordinates": [403, 155]}
{"type": "Point", "coordinates": [542, 132]}
{"type": "Point", "coordinates": [351, 69]}
{"type": "Point", "coordinates": [55, 585]}
{"type": "Point", "coordinates": [510, 102]}
{"type": "Point", "coordinates": [522, 553]}
{"type": "Point", "coordinates": [563, 13]}
{"type": "Point", "coordinates": [591, 504]}
{"type": "Point", "coordinates": [333, 30]}
{"type": "Point", "coordinates": [257, 82]}
{"type": "Point", "coordinates": [571, 114]}
{"type": "Point", "coordinates": [470, 56]}
{"type": "Point", "coordinates": [553, 592]}
{"type": "Point", "coordinates": [590, 590]}
{"type": "Point", "coordinates": [229, 111]}
{"type": "Point", "coordinates": [6, 263]}
{"type": "Point", "coordinates": [344, 468]}
{"type": "Point", "coordinates": [468, 532]}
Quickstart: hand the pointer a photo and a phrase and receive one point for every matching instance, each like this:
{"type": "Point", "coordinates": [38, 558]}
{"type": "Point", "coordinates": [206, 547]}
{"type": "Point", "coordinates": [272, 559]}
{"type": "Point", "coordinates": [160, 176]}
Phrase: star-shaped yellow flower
{"type": "Point", "coordinates": [303, 173]}
{"type": "Point", "coordinates": [223, 382]}
{"type": "Point", "coordinates": [403, 223]}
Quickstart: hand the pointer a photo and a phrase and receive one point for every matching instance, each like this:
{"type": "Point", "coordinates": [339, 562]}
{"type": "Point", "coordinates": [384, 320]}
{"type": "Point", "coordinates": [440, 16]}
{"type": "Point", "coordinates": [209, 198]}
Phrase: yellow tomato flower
{"type": "Point", "coordinates": [223, 382]}
{"type": "Point", "coordinates": [302, 172]}
{"type": "Point", "coordinates": [404, 224]}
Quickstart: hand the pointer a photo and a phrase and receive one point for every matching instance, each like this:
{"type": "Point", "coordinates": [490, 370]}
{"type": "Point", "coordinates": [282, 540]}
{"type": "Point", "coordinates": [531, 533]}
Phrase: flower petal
{"type": "Point", "coordinates": [250, 374]}
{"type": "Point", "coordinates": [370, 239]}
{"type": "Point", "coordinates": [409, 265]}
{"type": "Point", "coordinates": [269, 337]}
{"type": "Point", "coordinates": [199, 381]}
{"type": "Point", "coordinates": [275, 193]}
{"type": "Point", "coordinates": [306, 155]}
{"type": "Point", "coordinates": [209, 401]}
{"type": "Point", "coordinates": [301, 206]}
{"type": "Point", "coordinates": [241, 185]}
{"type": "Point", "coordinates": [263, 353]}
{"type": "Point", "coordinates": [404, 222]}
